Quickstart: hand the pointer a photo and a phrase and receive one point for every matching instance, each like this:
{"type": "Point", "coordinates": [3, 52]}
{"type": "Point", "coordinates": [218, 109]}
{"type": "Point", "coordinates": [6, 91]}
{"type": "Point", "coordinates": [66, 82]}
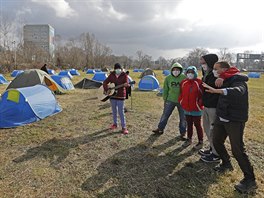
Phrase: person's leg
{"type": "Point", "coordinates": [182, 123]}
{"type": "Point", "coordinates": [189, 120]}
{"type": "Point", "coordinates": [219, 138]}
{"type": "Point", "coordinates": [120, 107]}
{"type": "Point", "coordinates": [209, 116]}
{"type": "Point", "coordinates": [114, 110]}
{"type": "Point", "coordinates": [199, 129]}
{"type": "Point", "coordinates": [212, 117]}
{"type": "Point", "coordinates": [235, 132]}
{"type": "Point", "coordinates": [167, 111]}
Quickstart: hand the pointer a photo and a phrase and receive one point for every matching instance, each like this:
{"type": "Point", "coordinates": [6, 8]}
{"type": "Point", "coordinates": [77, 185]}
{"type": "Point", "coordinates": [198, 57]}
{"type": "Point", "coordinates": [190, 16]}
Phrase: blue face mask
{"type": "Point", "coordinates": [118, 71]}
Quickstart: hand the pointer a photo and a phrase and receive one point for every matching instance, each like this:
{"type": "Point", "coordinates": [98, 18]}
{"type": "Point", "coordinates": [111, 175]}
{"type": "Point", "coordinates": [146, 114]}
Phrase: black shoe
{"type": "Point", "coordinates": [182, 137]}
{"type": "Point", "coordinates": [204, 152]}
{"type": "Point", "coordinates": [158, 131]}
{"type": "Point", "coordinates": [246, 185]}
{"type": "Point", "coordinates": [210, 158]}
{"type": "Point", "coordinates": [221, 168]}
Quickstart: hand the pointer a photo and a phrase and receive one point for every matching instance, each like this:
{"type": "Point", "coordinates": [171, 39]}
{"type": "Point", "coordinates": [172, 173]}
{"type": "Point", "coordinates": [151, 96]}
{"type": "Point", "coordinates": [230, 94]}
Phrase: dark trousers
{"type": "Point", "coordinates": [235, 132]}
{"type": "Point", "coordinates": [196, 121]}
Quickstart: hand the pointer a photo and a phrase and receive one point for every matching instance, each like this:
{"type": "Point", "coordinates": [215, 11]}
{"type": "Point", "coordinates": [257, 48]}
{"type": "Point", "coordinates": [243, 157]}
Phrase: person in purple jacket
{"type": "Point", "coordinates": [118, 77]}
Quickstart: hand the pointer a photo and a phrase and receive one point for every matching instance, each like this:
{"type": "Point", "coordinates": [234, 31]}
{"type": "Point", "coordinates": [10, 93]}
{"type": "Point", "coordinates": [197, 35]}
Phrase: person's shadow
{"type": "Point", "coordinates": [148, 171]}
{"type": "Point", "coordinates": [56, 150]}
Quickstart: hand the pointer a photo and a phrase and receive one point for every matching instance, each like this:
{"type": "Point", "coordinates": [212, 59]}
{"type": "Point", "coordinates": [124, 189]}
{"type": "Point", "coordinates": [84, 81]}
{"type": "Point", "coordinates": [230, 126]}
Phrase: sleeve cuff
{"type": "Point", "coordinates": [224, 91]}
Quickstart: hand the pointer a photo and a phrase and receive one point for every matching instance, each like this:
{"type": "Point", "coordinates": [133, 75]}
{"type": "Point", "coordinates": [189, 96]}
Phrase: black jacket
{"type": "Point", "coordinates": [210, 100]}
{"type": "Point", "coordinates": [234, 105]}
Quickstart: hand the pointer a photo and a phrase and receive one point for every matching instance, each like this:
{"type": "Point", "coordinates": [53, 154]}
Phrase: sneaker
{"type": "Point", "coordinates": [246, 185]}
{"type": "Point", "coordinates": [198, 146]}
{"type": "Point", "coordinates": [113, 126]}
{"type": "Point", "coordinates": [221, 168]}
{"type": "Point", "coordinates": [210, 158]}
{"type": "Point", "coordinates": [187, 143]}
{"type": "Point", "coordinates": [158, 131]}
{"type": "Point", "coordinates": [124, 131]}
{"type": "Point", "coordinates": [204, 152]}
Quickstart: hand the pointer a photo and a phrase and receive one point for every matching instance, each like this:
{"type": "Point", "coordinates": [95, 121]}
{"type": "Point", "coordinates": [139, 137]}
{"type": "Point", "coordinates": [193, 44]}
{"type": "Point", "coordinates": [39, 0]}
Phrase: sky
{"type": "Point", "coordinates": [167, 28]}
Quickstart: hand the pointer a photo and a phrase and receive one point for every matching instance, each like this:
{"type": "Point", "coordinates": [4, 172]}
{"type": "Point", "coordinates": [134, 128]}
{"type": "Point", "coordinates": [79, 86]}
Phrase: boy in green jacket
{"type": "Point", "coordinates": [171, 92]}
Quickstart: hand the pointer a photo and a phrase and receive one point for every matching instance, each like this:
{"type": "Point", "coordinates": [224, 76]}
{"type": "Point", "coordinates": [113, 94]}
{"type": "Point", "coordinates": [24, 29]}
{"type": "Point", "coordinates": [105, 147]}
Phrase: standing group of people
{"type": "Point", "coordinates": [216, 104]}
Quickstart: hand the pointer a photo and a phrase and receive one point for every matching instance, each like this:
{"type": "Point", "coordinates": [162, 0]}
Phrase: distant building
{"type": "Point", "coordinates": [41, 36]}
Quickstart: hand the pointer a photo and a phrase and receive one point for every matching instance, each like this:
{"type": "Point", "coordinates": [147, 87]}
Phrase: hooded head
{"type": "Point", "coordinates": [210, 60]}
{"type": "Point", "coordinates": [193, 70]}
{"type": "Point", "coordinates": [178, 66]}
{"type": "Point", "coordinates": [117, 66]}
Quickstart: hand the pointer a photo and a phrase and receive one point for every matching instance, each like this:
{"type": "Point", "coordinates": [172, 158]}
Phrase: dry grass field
{"type": "Point", "coordinates": [74, 154]}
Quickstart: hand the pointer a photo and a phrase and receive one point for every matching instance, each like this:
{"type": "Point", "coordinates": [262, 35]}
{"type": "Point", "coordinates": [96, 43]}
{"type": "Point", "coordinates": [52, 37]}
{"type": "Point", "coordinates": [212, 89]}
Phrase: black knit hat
{"type": "Point", "coordinates": [210, 59]}
{"type": "Point", "coordinates": [117, 66]}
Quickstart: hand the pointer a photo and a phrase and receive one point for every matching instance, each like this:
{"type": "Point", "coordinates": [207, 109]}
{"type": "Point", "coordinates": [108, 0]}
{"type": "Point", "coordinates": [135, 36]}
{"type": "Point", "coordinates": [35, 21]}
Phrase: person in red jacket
{"type": "Point", "coordinates": [118, 77]}
{"type": "Point", "coordinates": [191, 102]}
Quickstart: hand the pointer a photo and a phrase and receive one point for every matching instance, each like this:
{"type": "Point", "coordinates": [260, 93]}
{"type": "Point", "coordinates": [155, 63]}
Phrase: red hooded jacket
{"type": "Point", "coordinates": [191, 95]}
{"type": "Point", "coordinates": [229, 73]}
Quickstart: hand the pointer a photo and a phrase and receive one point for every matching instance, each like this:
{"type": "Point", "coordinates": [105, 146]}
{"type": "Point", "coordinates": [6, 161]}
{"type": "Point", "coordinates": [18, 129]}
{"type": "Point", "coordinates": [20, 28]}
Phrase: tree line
{"type": "Point", "coordinates": [85, 51]}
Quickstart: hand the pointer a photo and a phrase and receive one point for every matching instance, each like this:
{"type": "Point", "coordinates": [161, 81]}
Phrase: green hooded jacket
{"type": "Point", "coordinates": [171, 87]}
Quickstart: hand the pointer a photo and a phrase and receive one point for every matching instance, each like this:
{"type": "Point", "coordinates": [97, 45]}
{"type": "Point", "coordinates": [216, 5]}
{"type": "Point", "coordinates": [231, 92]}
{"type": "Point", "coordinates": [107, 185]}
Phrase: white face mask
{"type": "Point", "coordinates": [190, 75]}
{"type": "Point", "coordinates": [215, 73]}
{"type": "Point", "coordinates": [118, 71]}
{"type": "Point", "coordinates": [205, 67]}
{"type": "Point", "coordinates": [176, 73]}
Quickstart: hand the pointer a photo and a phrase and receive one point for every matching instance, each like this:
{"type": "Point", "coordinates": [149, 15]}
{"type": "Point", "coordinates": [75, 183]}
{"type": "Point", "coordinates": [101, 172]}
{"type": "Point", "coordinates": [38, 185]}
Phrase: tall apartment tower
{"type": "Point", "coordinates": [41, 36]}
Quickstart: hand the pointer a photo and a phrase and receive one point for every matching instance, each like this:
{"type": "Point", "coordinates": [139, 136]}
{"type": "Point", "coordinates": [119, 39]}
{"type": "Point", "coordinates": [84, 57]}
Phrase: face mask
{"type": "Point", "coordinates": [190, 76]}
{"type": "Point", "coordinates": [205, 67]}
{"type": "Point", "coordinates": [118, 71]}
{"type": "Point", "coordinates": [175, 73]}
{"type": "Point", "coordinates": [215, 73]}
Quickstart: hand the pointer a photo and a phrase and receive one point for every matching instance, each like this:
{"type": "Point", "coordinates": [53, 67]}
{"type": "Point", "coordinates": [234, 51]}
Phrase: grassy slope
{"type": "Point", "coordinates": [73, 154]}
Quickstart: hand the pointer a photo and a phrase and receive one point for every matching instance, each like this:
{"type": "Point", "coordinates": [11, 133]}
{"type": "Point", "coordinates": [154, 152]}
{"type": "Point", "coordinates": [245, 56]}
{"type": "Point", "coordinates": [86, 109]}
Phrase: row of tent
{"type": "Point", "coordinates": [70, 73]}
{"type": "Point", "coordinates": [29, 97]}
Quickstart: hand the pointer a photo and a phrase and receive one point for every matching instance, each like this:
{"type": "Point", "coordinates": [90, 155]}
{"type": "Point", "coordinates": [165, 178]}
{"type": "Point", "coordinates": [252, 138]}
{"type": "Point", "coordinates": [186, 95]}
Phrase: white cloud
{"type": "Point", "coordinates": [61, 7]}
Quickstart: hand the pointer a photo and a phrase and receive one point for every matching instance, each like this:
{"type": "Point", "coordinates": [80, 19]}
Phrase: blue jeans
{"type": "Point", "coordinates": [118, 105]}
{"type": "Point", "coordinates": [167, 111]}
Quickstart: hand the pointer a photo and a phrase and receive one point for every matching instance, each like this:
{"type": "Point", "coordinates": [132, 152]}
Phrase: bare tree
{"type": "Point", "coordinates": [144, 60]}
{"type": "Point", "coordinates": [193, 58]}
{"type": "Point", "coordinates": [224, 54]}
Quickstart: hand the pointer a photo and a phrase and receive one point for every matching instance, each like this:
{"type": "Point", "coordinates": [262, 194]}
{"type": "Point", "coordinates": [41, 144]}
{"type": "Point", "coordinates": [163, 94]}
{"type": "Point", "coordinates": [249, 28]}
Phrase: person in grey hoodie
{"type": "Point", "coordinates": [210, 102]}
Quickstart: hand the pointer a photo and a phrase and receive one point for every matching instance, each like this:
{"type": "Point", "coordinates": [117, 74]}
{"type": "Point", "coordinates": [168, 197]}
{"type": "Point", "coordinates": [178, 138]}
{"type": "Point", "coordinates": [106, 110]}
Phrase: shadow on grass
{"type": "Point", "coordinates": [147, 171]}
{"type": "Point", "coordinates": [58, 149]}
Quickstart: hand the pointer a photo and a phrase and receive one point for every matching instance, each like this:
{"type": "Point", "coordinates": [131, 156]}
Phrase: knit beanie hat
{"type": "Point", "coordinates": [117, 66]}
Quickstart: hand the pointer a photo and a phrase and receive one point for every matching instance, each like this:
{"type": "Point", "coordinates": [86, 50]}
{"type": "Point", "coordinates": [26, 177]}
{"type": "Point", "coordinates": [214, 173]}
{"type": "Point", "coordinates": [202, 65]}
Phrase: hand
{"type": "Point", "coordinates": [126, 84]}
{"type": "Point", "coordinates": [219, 82]}
{"type": "Point", "coordinates": [210, 89]}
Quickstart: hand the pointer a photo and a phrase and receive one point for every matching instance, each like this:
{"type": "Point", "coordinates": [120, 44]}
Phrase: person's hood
{"type": "Point", "coordinates": [210, 60]}
{"type": "Point", "coordinates": [229, 73]}
{"type": "Point", "coordinates": [176, 65]}
{"type": "Point", "coordinates": [194, 69]}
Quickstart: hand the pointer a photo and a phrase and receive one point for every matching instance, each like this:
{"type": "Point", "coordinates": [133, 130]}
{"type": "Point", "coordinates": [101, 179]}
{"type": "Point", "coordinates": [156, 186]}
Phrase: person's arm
{"type": "Point", "coordinates": [165, 89]}
{"type": "Point", "coordinates": [213, 90]}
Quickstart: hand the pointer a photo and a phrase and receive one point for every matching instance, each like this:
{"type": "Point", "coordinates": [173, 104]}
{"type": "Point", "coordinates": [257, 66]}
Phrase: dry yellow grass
{"type": "Point", "coordinates": [73, 154]}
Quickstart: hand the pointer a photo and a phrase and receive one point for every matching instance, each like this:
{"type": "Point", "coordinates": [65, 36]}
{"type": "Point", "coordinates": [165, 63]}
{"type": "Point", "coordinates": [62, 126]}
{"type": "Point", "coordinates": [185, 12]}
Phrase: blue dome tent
{"type": "Point", "coordinates": [66, 73]}
{"type": "Point", "coordinates": [3, 80]}
{"type": "Point", "coordinates": [148, 83]}
{"type": "Point", "coordinates": [63, 81]}
{"type": "Point", "coordinates": [254, 75]}
{"type": "Point", "coordinates": [51, 71]}
{"type": "Point", "coordinates": [99, 76]}
{"type": "Point", "coordinates": [15, 73]}
{"type": "Point", "coordinates": [90, 71]}
{"type": "Point", "coordinates": [74, 72]}
{"type": "Point", "coordinates": [26, 105]}
{"type": "Point", "coordinates": [166, 72]}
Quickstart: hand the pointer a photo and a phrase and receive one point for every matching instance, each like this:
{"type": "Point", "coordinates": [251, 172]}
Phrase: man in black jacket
{"type": "Point", "coordinates": [231, 116]}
